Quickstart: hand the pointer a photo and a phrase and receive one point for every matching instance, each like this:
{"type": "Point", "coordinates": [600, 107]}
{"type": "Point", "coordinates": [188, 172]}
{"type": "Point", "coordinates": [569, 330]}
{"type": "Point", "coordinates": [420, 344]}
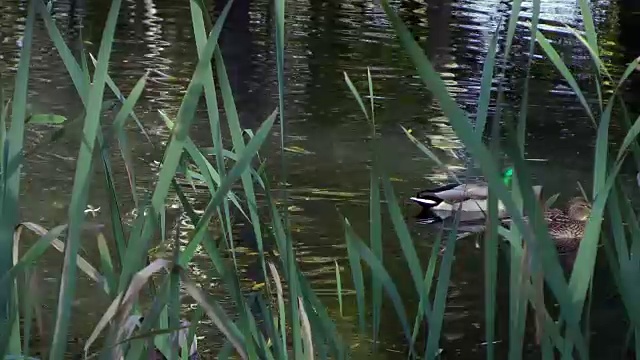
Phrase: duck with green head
{"type": "Point", "coordinates": [471, 200]}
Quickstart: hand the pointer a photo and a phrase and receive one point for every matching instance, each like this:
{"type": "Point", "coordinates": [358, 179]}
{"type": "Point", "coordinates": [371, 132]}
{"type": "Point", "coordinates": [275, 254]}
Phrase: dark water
{"type": "Point", "coordinates": [325, 39]}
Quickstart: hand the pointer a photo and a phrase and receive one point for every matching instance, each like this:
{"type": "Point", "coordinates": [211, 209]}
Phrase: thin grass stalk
{"type": "Point", "coordinates": [516, 342]}
{"type": "Point", "coordinates": [173, 154]}
{"type": "Point", "coordinates": [491, 256]}
{"type": "Point", "coordinates": [486, 83]}
{"type": "Point", "coordinates": [279, 6]}
{"type": "Point", "coordinates": [339, 287]}
{"type": "Point", "coordinates": [356, 273]}
{"type": "Point", "coordinates": [197, 18]}
{"type": "Point", "coordinates": [428, 279]}
{"type": "Point", "coordinates": [246, 178]}
{"type": "Point", "coordinates": [439, 303]}
{"type": "Point", "coordinates": [328, 327]}
{"type": "Point", "coordinates": [375, 216]}
{"type": "Point", "coordinates": [9, 210]}
{"type": "Point", "coordinates": [361, 252]}
{"type": "Point", "coordinates": [81, 186]}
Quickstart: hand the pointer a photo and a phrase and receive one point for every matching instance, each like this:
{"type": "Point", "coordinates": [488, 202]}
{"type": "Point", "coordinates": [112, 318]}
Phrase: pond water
{"type": "Point", "coordinates": [329, 169]}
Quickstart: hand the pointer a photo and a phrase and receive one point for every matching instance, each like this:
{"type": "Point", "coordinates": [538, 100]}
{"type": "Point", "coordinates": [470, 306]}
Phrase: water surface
{"type": "Point", "coordinates": [324, 39]}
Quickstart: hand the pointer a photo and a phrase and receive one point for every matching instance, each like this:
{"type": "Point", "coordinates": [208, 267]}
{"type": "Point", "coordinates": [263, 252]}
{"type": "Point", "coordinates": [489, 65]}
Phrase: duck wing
{"type": "Point", "coordinates": [455, 193]}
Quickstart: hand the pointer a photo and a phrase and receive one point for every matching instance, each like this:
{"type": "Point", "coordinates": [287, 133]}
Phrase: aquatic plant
{"type": "Point", "coordinates": [296, 324]}
{"type": "Point", "coordinates": [531, 254]}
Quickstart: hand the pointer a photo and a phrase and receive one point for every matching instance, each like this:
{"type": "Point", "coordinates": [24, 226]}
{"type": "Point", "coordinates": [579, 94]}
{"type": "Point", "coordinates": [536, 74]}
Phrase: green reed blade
{"type": "Point", "coordinates": [280, 239]}
{"type": "Point", "coordinates": [550, 326]}
{"type": "Point", "coordinates": [430, 154]}
{"type": "Point", "coordinates": [115, 214]}
{"type": "Point", "coordinates": [6, 336]}
{"type": "Point", "coordinates": [543, 248]}
{"type": "Point", "coordinates": [406, 243]}
{"type": "Point", "coordinates": [201, 226]}
{"type": "Point", "coordinates": [3, 135]}
{"type": "Point", "coordinates": [356, 273]}
{"type": "Point", "coordinates": [600, 66]}
{"type": "Point", "coordinates": [33, 254]}
{"type": "Point", "coordinates": [116, 91]}
{"type": "Point", "coordinates": [81, 184]}
{"type": "Point", "coordinates": [516, 5]}
{"type": "Point", "coordinates": [209, 174]}
{"type": "Point", "coordinates": [339, 287]}
{"type": "Point", "coordinates": [329, 330]}
{"type": "Point", "coordinates": [378, 270]}
{"type": "Point", "coordinates": [553, 55]}
{"type": "Point", "coordinates": [119, 128]}
{"type": "Point", "coordinates": [627, 272]}
{"type": "Point", "coordinates": [31, 299]}
{"type": "Point", "coordinates": [485, 85]}
{"type": "Point", "coordinates": [73, 68]}
{"type": "Point", "coordinates": [106, 265]}
{"type": "Point", "coordinates": [589, 26]}
{"type": "Point", "coordinates": [375, 233]}
{"type": "Point", "coordinates": [328, 327]}
{"type": "Point", "coordinates": [440, 299]}
{"type": "Point", "coordinates": [357, 96]}
{"type": "Point", "coordinates": [12, 174]}
{"type": "Point", "coordinates": [602, 149]}
{"type": "Point", "coordinates": [491, 232]}
{"type": "Point", "coordinates": [524, 105]}
{"type": "Point", "coordinates": [375, 218]}
{"type": "Point", "coordinates": [173, 154]}
{"type": "Point", "coordinates": [236, 171]}
{"type": "Point", "coordinates": [585, 260]}
{"type": "Point", "coordinates": [239, 144]}
{"type": "Point", "coordinates": [279, 8]}
{"type": "Point", "coordinates": [198, 10]}
{"type": "Point", "coordinates": [428, 279]}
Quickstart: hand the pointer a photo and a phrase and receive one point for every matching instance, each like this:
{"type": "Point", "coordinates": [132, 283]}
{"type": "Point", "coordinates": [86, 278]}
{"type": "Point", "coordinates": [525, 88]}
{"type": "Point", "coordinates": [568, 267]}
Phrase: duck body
{"type": "Point", "coordinates": [566, 228]}
{"type": "Point", "coordinates": [470, 200]}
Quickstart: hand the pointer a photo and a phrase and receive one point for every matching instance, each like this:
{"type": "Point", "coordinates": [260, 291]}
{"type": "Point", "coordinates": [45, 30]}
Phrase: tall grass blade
{"type": "Point", "coordinates": [375, 218]}
{"type": "Point", "coordinates": [378, 270]}
{"type": "Point", "coordinates": [589, 26]}
{"type": "Point", "coordinates": [440, 300]}
{"type": "Point", "coordinates": [217, 315]}
{"type": "Point", "coordinates": [247, 181]}
{"type": "Point", "coordinates": [173, 154]}
{"type": "Point", "coordinates": [516, 5]}
{"type": "Point", "coordinates": [81, 186]}
{"type": "Point", "coordinates": [11, 169]}
{"type": "Point", "coordinates": [339, 287]}
{"type": "Point", "coordinates": [279, 7]}
{"type": "Point", "coordinates": [553, 55]}
{"type": "Point", "coordinates": [356, 273]}
{"type": "Point", "coordinates": [428, 279]}
{"type": "Point", "coordinates": [485, 84]}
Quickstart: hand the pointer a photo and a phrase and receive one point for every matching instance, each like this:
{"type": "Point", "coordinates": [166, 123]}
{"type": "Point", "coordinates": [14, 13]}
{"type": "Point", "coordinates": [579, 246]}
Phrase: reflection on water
{"type": "Point", "coordinates": [324, 39]}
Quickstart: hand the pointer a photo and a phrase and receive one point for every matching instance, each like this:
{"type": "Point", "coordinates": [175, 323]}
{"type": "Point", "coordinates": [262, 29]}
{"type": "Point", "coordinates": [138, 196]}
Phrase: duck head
{"type": "Point", "coordinates": [579, 209]}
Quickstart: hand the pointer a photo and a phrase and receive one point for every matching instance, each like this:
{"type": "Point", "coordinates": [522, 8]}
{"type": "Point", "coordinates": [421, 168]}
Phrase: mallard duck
{"type": "Point", "coordinates": [178, 341]}
{"type": "Point", "coordinates": [471, 200]}
{"type": "Point", "coordinates": [566, 228]}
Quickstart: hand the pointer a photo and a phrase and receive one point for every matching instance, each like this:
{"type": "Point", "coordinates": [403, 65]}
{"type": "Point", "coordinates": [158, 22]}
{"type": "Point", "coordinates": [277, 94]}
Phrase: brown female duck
{"type": "Point", "coordinates": [566, 228]}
